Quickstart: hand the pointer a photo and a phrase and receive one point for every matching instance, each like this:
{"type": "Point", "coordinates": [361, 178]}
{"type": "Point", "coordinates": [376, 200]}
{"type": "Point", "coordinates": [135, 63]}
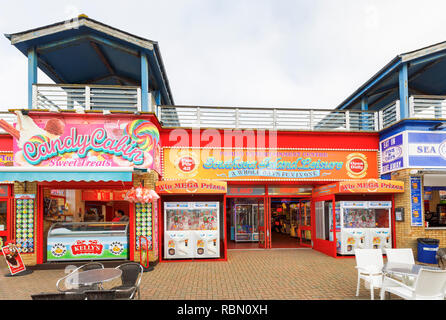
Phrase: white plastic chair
{"type": "Point", "coordinates": [404, 255]}
{"type": "Point", "coordinates": [369, 263]}
{"type": "Point", "coordinates": [429, 285]}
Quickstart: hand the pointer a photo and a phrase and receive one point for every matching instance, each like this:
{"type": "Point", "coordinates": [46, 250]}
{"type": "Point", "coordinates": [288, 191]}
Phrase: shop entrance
{"type": "Point", "coordinates": [290, 222]}
{"type": "Point", "coordinates": [85, 224]}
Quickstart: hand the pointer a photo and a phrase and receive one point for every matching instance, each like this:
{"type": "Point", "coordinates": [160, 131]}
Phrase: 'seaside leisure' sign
{"type": "Point", "coordinates": [280, 164]}
{"type": "Point", "coordinates": [188, 186]}
{"type": "Point", "coordinates": [85, 142]}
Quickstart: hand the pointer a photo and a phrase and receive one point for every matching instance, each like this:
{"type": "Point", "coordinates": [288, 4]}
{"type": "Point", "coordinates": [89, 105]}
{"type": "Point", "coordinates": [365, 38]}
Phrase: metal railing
{"type": "Point", "coordinates": [267, 118]}
{"type": "Point", "coordinates": [88, 97]}
{"type": "Point", "coordinates": [427, 107]}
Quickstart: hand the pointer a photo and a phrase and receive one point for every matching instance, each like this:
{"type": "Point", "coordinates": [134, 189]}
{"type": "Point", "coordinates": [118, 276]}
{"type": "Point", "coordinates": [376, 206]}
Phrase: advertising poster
{"type": "Point", "coordinates": [50, 141]}
{"type": "Point", "coordinates": [268, 164]}
{"type": "Point", "coordinates": [71, 248]}
{"type": "Point", "coordinates": [13, 259]}
{"type": "Point", "coordinates": [24, 224]}
{"type": "Point", "coordinates": [392, 153]}
{"type": "Point", "coordinates": [416, 202]}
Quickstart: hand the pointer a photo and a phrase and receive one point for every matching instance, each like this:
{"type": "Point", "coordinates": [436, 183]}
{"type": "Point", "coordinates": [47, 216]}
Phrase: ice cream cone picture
{"type": "Point", "coordinates": [30, 131]}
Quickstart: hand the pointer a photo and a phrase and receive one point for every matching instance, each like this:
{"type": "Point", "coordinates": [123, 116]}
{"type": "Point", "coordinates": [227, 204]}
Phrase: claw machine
{"type": "Point", "coordinates": [207, 235]}
{"type": "Point", "coordinates": [246, 217]}
{"type": "Point", "coordinates": [179, 220]}
{"type": "Point", "coordinates": [380, 234]}
{"type": "Point", "coordinates": [364, 225]}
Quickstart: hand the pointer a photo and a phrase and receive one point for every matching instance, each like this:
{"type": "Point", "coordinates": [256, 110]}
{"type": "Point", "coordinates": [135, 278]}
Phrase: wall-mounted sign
{"type": "Point", "coordinates": [103, 195]}
{"type": "Point", "coordinates": [280, 164]}
{"type": "Point", "coordinates": [392, 153]}
{"type": "Point", "coordinates": [6, 159]}
{"type": "Point", "coordinates": [360, 186]}
{"type": "Point", "coordinates": [399, 214]}
{"type": "Point", "coordinates": [426, 149]}
{"type": "Point", "coordinates": [60, 141]}
{"type": "Point", "coordinates": [416, 202]}
{"type": "Point", "coordinates": [188, 186]}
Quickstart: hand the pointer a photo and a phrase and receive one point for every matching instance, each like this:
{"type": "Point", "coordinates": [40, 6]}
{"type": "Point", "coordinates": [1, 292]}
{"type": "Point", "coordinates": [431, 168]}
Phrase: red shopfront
{"type": "Point", "coordinates": [71, 172]}
{"type": "Point", "coordinates": [270, 181]}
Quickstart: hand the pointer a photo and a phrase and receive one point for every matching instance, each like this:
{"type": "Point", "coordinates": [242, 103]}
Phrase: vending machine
{"type": "Point", "coordinates": [207, 233]}
{"type": "Point", "coordinates": [179, 221]}
{"type": "Point", "coordinates": [364, 225]}
{"type": "Point", "coordinates": [191, 230]}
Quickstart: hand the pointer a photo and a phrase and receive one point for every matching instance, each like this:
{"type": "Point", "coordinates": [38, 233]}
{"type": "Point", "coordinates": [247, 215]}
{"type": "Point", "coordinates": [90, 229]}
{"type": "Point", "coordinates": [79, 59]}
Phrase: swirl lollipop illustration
{"type": "Point", "coordinates": [144, 133]}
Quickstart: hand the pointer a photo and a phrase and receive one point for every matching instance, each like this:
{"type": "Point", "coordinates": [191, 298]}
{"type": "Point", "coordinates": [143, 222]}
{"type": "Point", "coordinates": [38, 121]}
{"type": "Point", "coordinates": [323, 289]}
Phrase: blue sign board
{"type": "Point", "coordinates": [427, 149]}
{"type": "Point", "coordinates": [392, 153]}
{"type": "Point", "coordinates": [416, 202]}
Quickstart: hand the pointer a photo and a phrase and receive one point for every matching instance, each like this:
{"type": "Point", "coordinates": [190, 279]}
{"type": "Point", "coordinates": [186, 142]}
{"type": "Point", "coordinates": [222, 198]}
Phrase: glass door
{"type": "Point", "coordinates": [263, 225]}
{"type": "Point", "coordinates": [304, 231]}
{"type": "Point", "coordinates": [324, 225]}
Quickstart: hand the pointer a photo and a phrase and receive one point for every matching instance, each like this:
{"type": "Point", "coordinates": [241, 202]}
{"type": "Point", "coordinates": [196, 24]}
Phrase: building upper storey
{"type": "Point", "coordinates": [98, 68]}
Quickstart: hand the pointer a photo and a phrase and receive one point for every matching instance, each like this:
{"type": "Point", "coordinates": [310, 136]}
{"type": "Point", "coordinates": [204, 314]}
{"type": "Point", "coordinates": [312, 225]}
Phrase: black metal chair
{"type": "Point", "coordinates": [65, 281]}
{"type": "Point", "coordinates": [130, 281]}
{"type": "Point", "coordinates": [58, 296]}
{"type": "Point", "coordinates": [100, 294]}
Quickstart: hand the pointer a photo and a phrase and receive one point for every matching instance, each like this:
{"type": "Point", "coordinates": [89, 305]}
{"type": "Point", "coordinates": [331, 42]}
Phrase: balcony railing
{"type": "Point", "coordinates": [267, 118]}
{"type": "Point", "coordinates": [88, 97]}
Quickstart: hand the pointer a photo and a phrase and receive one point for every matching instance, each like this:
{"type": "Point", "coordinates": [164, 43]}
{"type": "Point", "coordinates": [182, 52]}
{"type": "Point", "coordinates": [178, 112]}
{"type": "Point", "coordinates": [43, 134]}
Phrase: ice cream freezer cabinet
{"type": "Point", "coordinates": [191, 230]}
{"type": "Point", "coordinates": [87, 241]}
{"type": "Point", "coordinates": [364, 225]}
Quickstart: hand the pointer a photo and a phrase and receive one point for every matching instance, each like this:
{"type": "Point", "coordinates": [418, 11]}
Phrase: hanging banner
{"type": "Point", "coordinates": [13, 259]}
{"type": "Point", "coordinates": [63, 141]}
{"type": "Point", "coordinates": [275, 164]}
{"type": "Point", "coordinates": [416, 202]}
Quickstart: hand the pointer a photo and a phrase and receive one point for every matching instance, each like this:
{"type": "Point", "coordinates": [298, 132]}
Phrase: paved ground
{"type": "Point", "coordinates": [284, 274]}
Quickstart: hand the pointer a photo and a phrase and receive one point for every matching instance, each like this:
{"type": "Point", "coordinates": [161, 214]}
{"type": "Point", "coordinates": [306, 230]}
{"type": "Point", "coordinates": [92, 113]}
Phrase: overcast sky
{"type": "Point", "coordinates": [307, 54]}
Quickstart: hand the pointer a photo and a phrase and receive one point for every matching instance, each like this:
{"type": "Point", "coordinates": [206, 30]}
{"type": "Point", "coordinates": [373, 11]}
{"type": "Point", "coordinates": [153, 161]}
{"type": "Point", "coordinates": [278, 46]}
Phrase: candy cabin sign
{"type": "Point", "coordinates": [85, 142]}
{"type": "Point", "coordinates": [269, 164]}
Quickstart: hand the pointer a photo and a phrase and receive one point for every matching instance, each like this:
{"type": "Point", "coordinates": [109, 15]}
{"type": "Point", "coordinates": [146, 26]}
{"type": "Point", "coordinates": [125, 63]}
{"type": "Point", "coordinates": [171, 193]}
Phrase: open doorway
{"type": "Point", "coordinates": [290, 222]}
{"type": "Point", "coordinates": [245, 223]}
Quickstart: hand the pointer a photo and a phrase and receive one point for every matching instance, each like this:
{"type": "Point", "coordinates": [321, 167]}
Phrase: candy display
{"type": "Point", "coordinates": [143, 223]}
{"type": "Point", "coordinates": [25, 225]}
{"type": "Point", "coordinates": [144, 133]}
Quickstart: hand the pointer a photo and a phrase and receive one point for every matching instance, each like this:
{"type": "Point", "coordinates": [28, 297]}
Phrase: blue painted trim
{"type": "Point", "coordinates": [428, 58]}
{"type": "Point", "coordinates": [404, 91]}
{"type": "Point", "coordinates": [410, 124]}
{"type": "Point", "coordinates": [158, 97]}
{"type": "Point", "coordinates": [144, 83]}
{"type": "Point", "coordinates": [66, 176]}
{"type": "Point", "coordinates": [371, 84]}
{"type": "Point", "coordinates": [364, 103]}
{"type": "Point", "coordinates": [32, 74]}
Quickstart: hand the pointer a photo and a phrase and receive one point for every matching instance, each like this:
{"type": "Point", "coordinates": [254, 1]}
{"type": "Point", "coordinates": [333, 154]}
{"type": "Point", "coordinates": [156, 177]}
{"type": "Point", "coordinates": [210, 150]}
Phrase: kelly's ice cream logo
{"type": "Point", "coordinates": [93, 144]}
{"type": "Point", "coordinates": [356, 165]}
{"type": "Point", "coordinates": [82, 247]}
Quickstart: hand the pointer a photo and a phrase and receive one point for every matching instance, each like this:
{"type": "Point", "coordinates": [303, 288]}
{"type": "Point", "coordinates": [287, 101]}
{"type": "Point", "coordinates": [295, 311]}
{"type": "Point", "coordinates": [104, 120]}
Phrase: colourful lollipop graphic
{"type": "Point", "coordinates": [144, 133]}
{"type": "Point", "coordinates": [39, 139]}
